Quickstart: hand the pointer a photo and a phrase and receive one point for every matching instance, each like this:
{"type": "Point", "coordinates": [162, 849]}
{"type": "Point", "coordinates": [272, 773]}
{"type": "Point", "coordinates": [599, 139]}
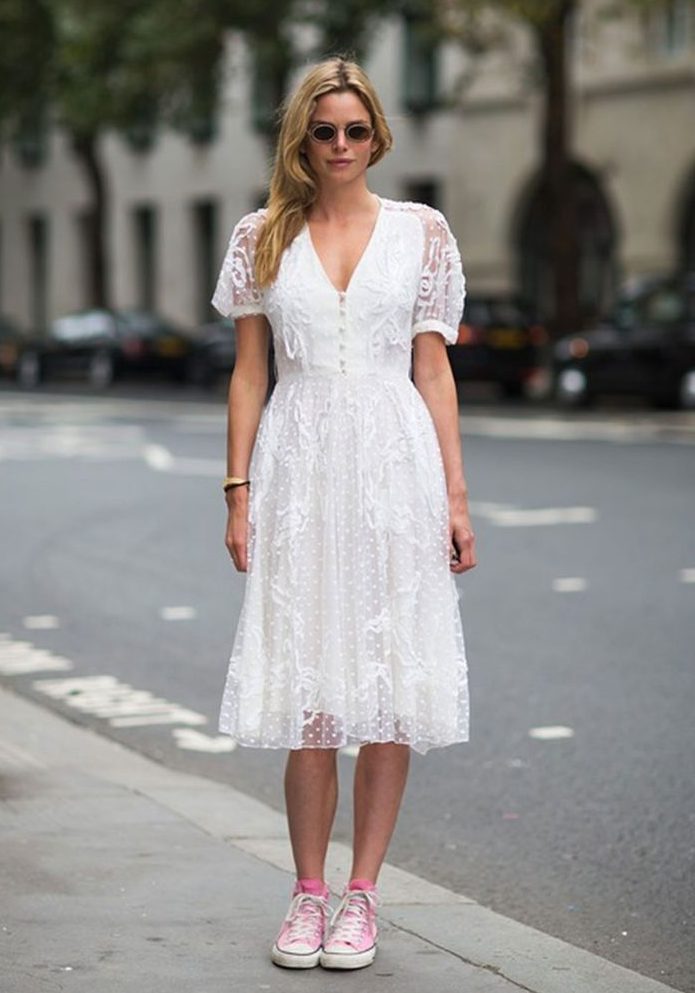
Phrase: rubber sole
{"type": "Point", "coordinates": [348, 960]}
{"type": "Point", "coordinates": [290, 960]}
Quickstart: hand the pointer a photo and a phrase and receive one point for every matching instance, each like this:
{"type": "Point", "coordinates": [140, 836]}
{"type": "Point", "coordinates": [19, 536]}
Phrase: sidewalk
{"type": "Point", "coordinates": [120, 875]}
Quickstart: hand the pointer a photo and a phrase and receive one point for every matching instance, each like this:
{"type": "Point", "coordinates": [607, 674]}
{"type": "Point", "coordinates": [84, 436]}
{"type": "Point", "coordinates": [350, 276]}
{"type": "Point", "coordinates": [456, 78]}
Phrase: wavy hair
{"type": "Point", "coordinates": [293, 184]}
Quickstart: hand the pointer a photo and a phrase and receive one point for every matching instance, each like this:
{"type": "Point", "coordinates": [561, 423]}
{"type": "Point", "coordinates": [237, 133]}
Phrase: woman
{"type": "Point", "coordinates": [346, 495]}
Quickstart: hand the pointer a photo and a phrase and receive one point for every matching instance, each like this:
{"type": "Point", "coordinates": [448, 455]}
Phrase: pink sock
{"type": "Point", "coordinates": [316, 887]}
{"type": "Point", "coordinates": [361, 884]}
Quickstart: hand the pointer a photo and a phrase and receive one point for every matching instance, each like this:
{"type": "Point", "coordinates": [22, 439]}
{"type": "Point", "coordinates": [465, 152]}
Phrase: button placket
{"type": "Point", "coordinates": [342, 331]}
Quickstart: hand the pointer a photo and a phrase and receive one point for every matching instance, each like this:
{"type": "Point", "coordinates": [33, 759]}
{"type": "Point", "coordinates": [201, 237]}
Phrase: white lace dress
{"type": "Point", "coordinates": [350, 628]}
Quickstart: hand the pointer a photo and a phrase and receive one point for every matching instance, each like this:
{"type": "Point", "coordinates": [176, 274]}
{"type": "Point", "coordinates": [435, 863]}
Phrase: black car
{"type": "Point", "coordinates": [499, 341]}
{"type": "Point", "coordinates": [214, 352]}
{"type": "Point", "coordinates": [646, 348]}
{"type": "Point", "coordinates": [103, 345]}
{"type": "Point", "coordinates": [11, 340]}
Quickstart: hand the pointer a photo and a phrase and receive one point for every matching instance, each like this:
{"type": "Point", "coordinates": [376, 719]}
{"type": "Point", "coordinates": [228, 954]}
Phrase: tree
{"type": "Point", "coordinates": [99, 66]}
{"type": "Point", "coordinates": [548, 22]}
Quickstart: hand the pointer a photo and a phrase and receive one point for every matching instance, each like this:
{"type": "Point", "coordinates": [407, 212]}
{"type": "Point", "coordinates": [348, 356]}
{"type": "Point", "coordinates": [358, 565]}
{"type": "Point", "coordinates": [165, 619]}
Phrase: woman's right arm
{"type": "Point", "coordinates": [248, 387]}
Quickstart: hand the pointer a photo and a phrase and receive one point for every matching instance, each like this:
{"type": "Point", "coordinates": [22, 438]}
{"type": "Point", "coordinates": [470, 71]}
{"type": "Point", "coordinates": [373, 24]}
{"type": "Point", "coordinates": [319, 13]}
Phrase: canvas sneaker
{"type": "Point", "coordinates": [299, 943]}
{"type": "Point", "coordinates": [352, 933]}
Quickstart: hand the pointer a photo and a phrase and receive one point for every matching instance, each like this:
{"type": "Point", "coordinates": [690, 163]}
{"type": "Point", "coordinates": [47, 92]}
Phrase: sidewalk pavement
{"type": "Point", "coordinates": [119, 874]}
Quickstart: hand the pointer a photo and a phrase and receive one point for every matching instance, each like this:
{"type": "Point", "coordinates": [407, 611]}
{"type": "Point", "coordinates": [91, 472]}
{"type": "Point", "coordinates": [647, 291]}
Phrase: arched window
{"type": "Point", "coordinates": [598, 274]}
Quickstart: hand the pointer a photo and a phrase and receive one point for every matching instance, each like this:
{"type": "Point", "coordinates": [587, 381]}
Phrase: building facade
{"type": "Point", "coordinates": [466, 140]}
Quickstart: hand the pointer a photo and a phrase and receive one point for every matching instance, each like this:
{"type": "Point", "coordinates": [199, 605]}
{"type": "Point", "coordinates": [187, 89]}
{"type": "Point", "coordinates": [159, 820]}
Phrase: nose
{"type": "Point", "coordinates": [340, 141]}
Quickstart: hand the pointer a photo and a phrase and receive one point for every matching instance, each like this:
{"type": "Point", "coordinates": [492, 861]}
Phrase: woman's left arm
{"type": "Point", "coordinates": [434, 381]}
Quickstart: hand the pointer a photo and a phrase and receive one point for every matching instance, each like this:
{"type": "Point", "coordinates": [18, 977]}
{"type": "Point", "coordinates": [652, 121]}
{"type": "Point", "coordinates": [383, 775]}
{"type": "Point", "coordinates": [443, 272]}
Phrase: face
{"type": "Point", "coordinates": [340, 160]}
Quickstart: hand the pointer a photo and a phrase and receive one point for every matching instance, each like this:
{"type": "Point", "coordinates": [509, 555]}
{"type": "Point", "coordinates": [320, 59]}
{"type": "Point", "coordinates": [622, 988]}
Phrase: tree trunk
{"type": "Point", "coordinates": [557, 180]}
{"type": "Point", "coordinates": [86, 149]}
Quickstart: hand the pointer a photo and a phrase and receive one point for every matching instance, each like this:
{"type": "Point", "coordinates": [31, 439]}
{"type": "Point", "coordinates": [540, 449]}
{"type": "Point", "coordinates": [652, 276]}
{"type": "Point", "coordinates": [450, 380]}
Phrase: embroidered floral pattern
{"type": "Point", "coordinates": [350, 628]}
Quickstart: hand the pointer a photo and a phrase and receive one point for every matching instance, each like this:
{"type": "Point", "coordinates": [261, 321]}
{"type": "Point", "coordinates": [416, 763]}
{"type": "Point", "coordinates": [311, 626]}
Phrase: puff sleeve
{"type": "Point", "coordinates": [237, 294]}
{"type": "Point", "coordinates": [442, 288]}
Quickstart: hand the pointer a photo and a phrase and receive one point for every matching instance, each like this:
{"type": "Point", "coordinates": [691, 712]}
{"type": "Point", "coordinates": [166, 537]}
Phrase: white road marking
{"type": "Point", "coordinates": [119, 703]}
{"type": "Point", "coordinates": [551, 732]}
{"type": "Point", "coordinates": [570, 584]}
{"type": "Point", "coordinates": [19, 657]}
{"type": "Point", "coordinates": [687, 575]}
{"type": "Point", "coordinates": [178, 613]}
{"type": "Point", "coordinates": [540, 516]}
{"type": "Point", "coordinates": [196, 741]}
{"type": "Point", "coordinates": [352, 751]}
{"type": "Point", "coordinates": [41, 622]}
{"type": "Point", "coordinates": [68, 441]}
{"type": "Point", "coordinates": [158, 457]}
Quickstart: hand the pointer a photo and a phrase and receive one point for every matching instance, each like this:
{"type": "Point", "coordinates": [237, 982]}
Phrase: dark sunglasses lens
{"type": "Point", "coordinates": [358, 132]}
{"type": "Point", "coordinates": [323, 132]}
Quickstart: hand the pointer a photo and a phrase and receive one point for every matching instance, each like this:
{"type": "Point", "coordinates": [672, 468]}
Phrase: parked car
{"type": "Point", "coordinates": [214, 352]}
{"type": "Point", "coordinates": [499, 341]}
{"type": "Point", "coordinates": [646, 348]}
{"type": "Point", "coordinates": [105, 344]}
{"type": "Point", "coordinates": [11, 339]}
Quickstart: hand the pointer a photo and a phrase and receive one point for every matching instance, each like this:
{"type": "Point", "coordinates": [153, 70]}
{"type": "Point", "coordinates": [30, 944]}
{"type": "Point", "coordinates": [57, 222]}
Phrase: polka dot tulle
{"type": "Point", "coordinates": [350, 629]}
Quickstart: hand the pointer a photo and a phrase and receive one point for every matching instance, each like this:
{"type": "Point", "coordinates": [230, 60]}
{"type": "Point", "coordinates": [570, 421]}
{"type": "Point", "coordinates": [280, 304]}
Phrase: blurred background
{"type": "Point", "coordinates": [558, 136]}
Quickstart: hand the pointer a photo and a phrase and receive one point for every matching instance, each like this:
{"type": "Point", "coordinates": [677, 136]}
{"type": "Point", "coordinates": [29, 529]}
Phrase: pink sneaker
{"type": "Point", "coordinates": [352, 934]}
{"type": "Point", "coordinates": [298, 946]}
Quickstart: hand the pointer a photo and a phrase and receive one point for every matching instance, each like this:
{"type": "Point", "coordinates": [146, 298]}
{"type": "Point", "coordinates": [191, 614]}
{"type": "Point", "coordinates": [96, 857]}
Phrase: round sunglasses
{"type": "Point", "coordinates": [325, 133]}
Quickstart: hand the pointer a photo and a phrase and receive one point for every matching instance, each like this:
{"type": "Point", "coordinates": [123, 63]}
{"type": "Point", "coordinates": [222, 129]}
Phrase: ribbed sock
{"type": "Point", "coordinates": [361, 884]}
{"type": "Point", "coordinates": [316, 887]}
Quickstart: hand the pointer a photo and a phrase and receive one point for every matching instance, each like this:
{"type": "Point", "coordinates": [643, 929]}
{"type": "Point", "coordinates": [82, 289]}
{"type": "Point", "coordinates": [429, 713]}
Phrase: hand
{"type": "Point", "coordinates": [463, 555]}
{"type": "Point", "coordinates": [236, 536]}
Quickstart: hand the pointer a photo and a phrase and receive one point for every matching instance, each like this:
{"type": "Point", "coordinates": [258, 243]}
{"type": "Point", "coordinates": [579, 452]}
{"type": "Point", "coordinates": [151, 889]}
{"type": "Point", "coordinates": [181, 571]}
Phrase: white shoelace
{"type": "Point", "coordinates": [352, 916]}
{"type": "Point", "coordinates": [305, 916]}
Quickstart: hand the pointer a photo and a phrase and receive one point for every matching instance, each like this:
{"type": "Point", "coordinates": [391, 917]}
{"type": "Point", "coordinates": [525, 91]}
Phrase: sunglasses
{"type": "Point", "coordinates": [328, 132]}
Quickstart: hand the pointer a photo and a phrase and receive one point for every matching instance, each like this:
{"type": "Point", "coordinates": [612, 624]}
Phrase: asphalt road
{"type": "Point", "coordinates": [579, 618]}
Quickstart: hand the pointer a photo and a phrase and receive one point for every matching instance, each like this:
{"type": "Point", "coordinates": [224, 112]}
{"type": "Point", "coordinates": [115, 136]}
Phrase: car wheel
{"type": "Point", "coordinates": [572, 387]}
{"type": "Point", "coordinates": [199, 371]}
{"type": "Point", "coordinates": [29, 370]}
{"type": "Point", "coordinates": [101, 370]}
{"type": "Point", "coordinates": [686, 391]}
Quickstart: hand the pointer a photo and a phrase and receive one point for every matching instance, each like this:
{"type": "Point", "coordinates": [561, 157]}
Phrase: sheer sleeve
{"type": "Point", "coordinates": [442, 289]}
{"type": "Point", "coordinates": [237, 294]}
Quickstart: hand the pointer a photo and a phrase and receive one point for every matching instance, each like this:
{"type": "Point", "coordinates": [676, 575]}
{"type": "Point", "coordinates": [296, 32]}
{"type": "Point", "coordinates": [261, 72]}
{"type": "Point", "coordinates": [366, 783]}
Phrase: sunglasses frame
{"type": "Point", "coordinates": [335, 130]}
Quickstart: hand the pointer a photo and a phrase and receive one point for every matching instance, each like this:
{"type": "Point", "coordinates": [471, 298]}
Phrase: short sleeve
{"type": "Point", "coordinates": [237, 294]}
{"type": "Point", "coordinates": [442, 288]}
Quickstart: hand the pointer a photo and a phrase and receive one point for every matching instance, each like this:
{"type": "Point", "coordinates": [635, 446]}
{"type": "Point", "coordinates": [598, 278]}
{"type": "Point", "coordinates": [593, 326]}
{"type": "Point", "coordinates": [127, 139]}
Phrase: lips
{"type": "Point", "coordinates": [340, 161]}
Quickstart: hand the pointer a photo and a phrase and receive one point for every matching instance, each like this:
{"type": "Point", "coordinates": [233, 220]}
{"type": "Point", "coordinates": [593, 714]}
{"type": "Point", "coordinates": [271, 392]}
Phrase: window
{"type": "Point", "coordinates": [671, 27]}
{"type": "Point", "coordinates": [420, 64]}
{"type": "Point", "coordinates": [205, 239]}
{"type": "Point", "coordinates": [37, 230]}
{"type": "Point", "coordinates": [423, 191]}
{"type": "Point", "coordinates": [268, 78]}
{"type": "Point", "coordinates": [144, 236]}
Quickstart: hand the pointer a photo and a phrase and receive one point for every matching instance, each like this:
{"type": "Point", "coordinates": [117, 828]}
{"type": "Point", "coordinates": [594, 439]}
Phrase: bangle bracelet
{"type": "Point", "coordinates": [232, 486]}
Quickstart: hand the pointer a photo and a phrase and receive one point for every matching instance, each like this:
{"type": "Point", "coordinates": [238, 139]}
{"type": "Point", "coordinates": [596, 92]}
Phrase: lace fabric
{"type": "Point", "coordinates": [350, 629]}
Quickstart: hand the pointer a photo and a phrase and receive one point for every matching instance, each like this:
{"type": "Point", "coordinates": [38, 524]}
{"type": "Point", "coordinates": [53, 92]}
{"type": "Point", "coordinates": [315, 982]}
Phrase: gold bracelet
{"type": "Point", "coordinates": [229, 482]}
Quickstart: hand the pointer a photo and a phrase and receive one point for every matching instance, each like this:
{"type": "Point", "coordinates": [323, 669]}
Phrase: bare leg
{"type": "Point", "coordinates": [311, 795]}
{"type": "Point", "coordinates": [380, 776]}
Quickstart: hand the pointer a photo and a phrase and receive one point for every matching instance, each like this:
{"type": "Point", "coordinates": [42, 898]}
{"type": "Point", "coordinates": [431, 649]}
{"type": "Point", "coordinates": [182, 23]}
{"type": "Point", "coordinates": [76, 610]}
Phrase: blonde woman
{"type": "Point", "coordinates": [346, 495]}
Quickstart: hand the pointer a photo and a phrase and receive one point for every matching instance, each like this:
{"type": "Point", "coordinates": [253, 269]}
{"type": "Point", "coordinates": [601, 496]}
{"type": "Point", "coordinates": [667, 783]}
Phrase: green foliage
{"type": "Point", "coordinates": [100, 64]}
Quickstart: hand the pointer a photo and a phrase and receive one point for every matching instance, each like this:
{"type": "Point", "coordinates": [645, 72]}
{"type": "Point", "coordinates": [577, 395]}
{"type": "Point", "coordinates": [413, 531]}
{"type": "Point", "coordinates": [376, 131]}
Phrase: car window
{"type": "Point", "coordinates": [475, 312]}
{"type": "Point", "coordinates": [665, 306]}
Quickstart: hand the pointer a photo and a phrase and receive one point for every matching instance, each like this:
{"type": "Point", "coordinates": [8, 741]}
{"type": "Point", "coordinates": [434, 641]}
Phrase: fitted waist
{"type": "Point", "coordinates": [378, 374]}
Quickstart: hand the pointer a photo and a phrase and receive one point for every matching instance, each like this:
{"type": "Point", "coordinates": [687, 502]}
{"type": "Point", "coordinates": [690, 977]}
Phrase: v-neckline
{"type": "Point", "coordinates": [359, 262]}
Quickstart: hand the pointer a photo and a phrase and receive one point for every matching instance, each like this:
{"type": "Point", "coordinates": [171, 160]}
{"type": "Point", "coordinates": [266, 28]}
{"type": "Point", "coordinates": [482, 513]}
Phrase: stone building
{"type": "Point", "coordinates": [466, 140]}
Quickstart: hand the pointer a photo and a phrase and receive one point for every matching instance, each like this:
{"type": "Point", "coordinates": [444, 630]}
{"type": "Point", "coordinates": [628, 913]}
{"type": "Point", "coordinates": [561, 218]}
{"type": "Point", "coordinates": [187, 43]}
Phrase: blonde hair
{"type": "Point", "coordinates": [293, 185]}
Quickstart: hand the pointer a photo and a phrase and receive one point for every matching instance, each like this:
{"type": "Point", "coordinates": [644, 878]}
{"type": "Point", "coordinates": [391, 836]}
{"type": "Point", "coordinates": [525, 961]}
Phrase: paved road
{"type": "Point", "coordinates": [578, 619]}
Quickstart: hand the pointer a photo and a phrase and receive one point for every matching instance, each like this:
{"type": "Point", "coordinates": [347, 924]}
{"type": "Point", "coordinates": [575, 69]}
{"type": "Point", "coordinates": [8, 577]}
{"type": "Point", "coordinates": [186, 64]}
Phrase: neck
{"type": "Point", "coordinates": [336, 202]}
